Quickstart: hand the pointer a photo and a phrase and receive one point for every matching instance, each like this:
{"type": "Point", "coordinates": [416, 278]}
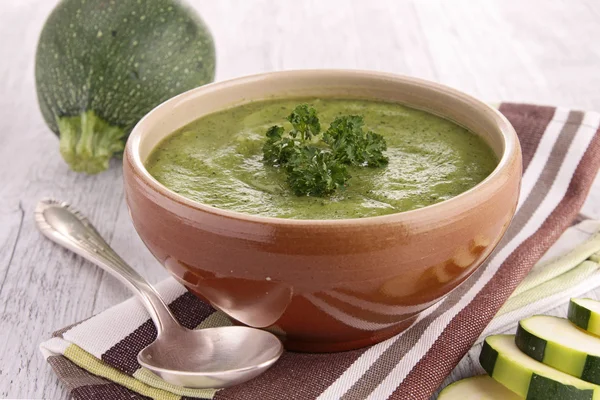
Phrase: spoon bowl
{"type": "Point", "coordinates": [211, 357]}
{"type": "Point", "coordinates": [205, 358]}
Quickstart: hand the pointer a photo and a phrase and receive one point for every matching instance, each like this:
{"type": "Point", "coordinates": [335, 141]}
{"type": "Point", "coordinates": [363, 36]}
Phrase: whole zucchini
{"type": "Point", "coordinates": [102, 64]}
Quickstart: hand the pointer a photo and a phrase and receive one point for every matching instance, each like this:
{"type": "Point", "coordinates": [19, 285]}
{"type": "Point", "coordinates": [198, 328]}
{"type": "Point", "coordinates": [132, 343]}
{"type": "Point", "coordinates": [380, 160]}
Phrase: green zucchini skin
{"type": "Point", "coordinates": [530, 344]}
{"type": "Point", "coordinates": [530, 379]}
{"type": "Point", "coordinates": [101, 65]}
{"type": "Point", "coordinates": [579, 315]}
{"type": "Point", "coordinates": [584, 313]}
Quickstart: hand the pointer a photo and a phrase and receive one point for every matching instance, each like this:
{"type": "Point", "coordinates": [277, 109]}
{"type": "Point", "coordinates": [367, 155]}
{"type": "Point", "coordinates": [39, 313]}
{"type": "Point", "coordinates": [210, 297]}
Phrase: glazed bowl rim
{"type": "Point", "coordinates": [509, 138]}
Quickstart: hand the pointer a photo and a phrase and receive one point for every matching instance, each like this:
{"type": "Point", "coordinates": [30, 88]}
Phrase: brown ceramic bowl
{"type": "Point", "coordinates": [323, 285]}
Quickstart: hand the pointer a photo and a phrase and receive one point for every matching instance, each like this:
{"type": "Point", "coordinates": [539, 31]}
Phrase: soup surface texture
{"type": "Point", "coordinates": [217, 160]}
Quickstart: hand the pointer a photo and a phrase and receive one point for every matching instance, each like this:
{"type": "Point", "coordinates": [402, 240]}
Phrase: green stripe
{"type": "Point", "coordinates": [147, 377]}
{"type": "Point", "coordinates": [98, 367]}
{"type": "Point", "coordinates": [529, 344]}
{"type": "Point", "coordinates": [542, 388]}
{"type": "Point", "coordinates": [591, 369]}
{"type": "Point", "coordinates": [578, 315]}
{"type": "Point", "coordinates": [548, 287]}
{"type": "Point", "coordinates": [487, 358]}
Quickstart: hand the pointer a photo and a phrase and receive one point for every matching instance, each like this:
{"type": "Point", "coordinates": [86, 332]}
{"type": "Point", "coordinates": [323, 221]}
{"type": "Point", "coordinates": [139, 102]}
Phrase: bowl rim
{"type": "Point", "coordinates": [509, 136]}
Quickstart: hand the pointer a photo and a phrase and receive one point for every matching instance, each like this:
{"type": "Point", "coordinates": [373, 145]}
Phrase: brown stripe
{"type": "Point", "coordinates": [389, 358]}
{"type": "Point", "coordinates": [123, 355]}
{"type": "Point", "coordinates": [109, 391]}
{"type": "Point", "coordinates": [530, 122]}
{"type": "Point", "coordinates": [71, 375]}
{"type": "Point", "coordinates": [189, 310]}
{"type": "Point", "coordinates": [298, 376]}
{"type": "Point", "coordinates": [467, 325]}
{"type": "Point", "coordinates": [549, 173]}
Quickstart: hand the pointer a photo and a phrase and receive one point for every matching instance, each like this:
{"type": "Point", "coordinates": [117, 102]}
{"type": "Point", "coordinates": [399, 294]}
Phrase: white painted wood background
{"type": "Point", "coordinates": [543, 51]}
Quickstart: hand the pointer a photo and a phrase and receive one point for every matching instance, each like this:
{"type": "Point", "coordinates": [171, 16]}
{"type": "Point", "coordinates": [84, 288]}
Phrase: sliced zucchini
{"type": "Point", "coordinates": [477, 388]}
{"type": "Point", "coordinates": [585, 313]}
{"type": "Point", "coordinates": [560, 344]}
{"type": "Point", "coordinates": [502, 360]}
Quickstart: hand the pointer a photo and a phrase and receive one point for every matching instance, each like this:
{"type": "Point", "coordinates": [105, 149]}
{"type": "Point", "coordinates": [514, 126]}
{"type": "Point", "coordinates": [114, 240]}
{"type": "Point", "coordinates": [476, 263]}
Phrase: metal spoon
{"type": "Point", "coordinates": [205, 358]}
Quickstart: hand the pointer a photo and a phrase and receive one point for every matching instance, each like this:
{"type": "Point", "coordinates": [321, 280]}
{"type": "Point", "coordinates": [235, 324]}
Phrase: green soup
{"type": "Point", "coordinates": [217, 160]}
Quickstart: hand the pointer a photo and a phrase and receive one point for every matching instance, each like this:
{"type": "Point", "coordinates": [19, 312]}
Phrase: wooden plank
{"type": "Point", "coordinates": [534, 51]}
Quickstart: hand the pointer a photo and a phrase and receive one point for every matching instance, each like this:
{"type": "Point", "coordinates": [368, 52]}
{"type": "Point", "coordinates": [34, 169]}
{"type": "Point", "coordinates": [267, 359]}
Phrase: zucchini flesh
{"type": "Point", "coordinates": [477, 388]}
{"type": "Point", "coordinates": [528, 378]}
{"type": "Point", "coordinates": [560, 344]}
{"type": "Point", "coordinates": [585, 313]}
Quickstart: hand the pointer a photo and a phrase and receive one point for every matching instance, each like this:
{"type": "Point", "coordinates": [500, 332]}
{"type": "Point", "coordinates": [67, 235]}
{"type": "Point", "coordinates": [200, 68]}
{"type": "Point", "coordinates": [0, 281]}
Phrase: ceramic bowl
{"type": "Point", "coordinates": [323, 285]}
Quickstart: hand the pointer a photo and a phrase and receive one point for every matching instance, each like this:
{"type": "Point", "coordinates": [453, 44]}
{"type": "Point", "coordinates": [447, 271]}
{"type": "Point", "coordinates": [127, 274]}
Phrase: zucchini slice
{"type": "Point", "coordinates": [585, 313]}
{"type": "Point", "coordinates": [477, 388]}
{"type": "Point", "coordinates": [560, 344]}
{"type": "Point", "coordinates": [502, 360]}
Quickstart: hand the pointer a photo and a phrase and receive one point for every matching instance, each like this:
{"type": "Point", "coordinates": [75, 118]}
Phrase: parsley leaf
{"type": "Point", "coordinates": [315, 172]}
{"type": "Point", "coordinates": [351, 145]}
{"type": "Point", "coordinates": [278, 149]}
{"type": "Point", "coordinates": [319, 168]}
{"type": "Point", "coordinates": [305, 122]}
{"type": "Point", "coordinates": [372, 151]}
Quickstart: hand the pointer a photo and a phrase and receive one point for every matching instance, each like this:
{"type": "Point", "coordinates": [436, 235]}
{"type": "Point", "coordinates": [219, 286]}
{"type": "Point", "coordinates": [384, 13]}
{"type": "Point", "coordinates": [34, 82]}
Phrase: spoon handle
{"type": "Point", "coordinates": [66, 226]}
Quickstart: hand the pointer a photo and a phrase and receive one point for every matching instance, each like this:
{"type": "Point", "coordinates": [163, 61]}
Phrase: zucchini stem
{"type": "Point", "coordinates": [87, 142]}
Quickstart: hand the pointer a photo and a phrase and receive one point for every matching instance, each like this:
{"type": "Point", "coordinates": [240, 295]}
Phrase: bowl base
{"type": "Point", "coordinates": [301, 346]}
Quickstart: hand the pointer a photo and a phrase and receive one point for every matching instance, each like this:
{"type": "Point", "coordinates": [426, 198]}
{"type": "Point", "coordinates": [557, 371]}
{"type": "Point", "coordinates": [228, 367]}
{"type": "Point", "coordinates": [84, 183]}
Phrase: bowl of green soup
{"type": "Point", "coordinates": [328, 206]}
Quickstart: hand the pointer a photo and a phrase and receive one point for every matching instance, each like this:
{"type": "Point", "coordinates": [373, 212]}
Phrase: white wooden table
{"type": "Point", "coordinates": [530, 51]}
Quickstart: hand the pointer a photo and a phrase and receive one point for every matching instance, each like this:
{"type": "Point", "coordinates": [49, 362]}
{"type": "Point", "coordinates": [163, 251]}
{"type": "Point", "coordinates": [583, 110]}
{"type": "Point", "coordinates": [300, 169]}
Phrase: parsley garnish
{"type": "Point", "coordinates": [351, 145]}
{"type": "Point", "coordinates": [318, 168]}
{"type": "Point", "coordinates": [315, 172]}
{"type": "Point", "coordinates": [305, 122]}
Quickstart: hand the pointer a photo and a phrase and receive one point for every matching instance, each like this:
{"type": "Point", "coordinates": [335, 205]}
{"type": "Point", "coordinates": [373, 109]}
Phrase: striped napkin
{"type": "Point", "coordinates": [96, 358]}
